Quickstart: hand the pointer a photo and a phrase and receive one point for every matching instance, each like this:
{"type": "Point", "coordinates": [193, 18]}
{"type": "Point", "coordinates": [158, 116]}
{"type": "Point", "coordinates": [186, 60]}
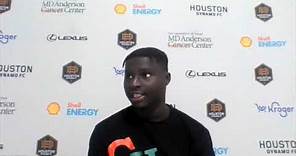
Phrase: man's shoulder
{"type": "Point", "coordinates": [114, 119]}
{"type": "Point", "coordinates": [189, 122]}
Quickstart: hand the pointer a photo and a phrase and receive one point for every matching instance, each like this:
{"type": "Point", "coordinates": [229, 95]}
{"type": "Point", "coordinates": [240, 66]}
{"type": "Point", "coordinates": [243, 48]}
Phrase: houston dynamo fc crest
{"type": "Point", "coordinates": [263, 74]}
{"type": "Point", "coordinates": [263, 12]}
{"type": "Point", "coordinates": [72, 72]}
{"type": "Point", "coordinates": [216, 110]}
{"type": "Point", "coordinates": [47, 146]}
{"type": "Point", "coordinates": [127, 39]}
{"type": "Point", "coordinates": [4, 5]}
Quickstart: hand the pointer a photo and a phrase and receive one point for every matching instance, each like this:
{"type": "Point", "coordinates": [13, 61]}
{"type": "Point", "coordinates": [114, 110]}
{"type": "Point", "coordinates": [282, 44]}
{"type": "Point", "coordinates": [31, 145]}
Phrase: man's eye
{"type": "Point", "coordinates": [147, 75]}
{"type": "Point", "coordinates": [128, 76]}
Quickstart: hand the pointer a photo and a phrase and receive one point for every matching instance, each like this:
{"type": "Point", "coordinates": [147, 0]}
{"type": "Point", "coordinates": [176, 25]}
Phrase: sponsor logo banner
{"type": "Point", "coordinates": [277, 147]}
{"type": "Point", "coordinates": [55, 37]}
{"type": "Point", "coordinates": [14, 70]}
{"type": "Point", "coordinates": [118, 71]}
{"type": "Point", "coordinates": [189, 40]}
{"type": "Point", "coordinates": [72, 72]}
{"type": "Point", "coordinates": [73, 109]}
{"type": "Point", "coordinates": [142, 9]}
{"type": "Point", "coordinates": [267, 42]}
{"type": "Point", "coordinates": [120, 9]}
{"type": "Point", "coordinates": [76, 109]}
{"type": "Point", "coordinates": [136, 9]}
{"type": "Point", "coordinates": [275, 108]}
{"type": "Point", "coordinates": [63, 6]}
{"type": "Point", "coordinates": [54, 108]}
{"type": "Point", "coordinates": [7, 107]}
{"type": "Point", "coordinates": [4, 5]}
{"type": "Point", "coordinates": [263, 42]}
{"type": "Point", "coordinates": [216, 110]}
{"type": "Point", "coordinates": [263, 74]}
{"type": "Point", "coordinates": [47, 146]}
{"type": "Point", "coordinates": [208, 10]}
{"type": "Point", "coordinates": [5, 38]}
{"type": "Point", "coordinates": [246, 41]}
{"type": "Point", "coordinates": [263, 12]}
{"type": "Point", "coordinates": [196, 74]}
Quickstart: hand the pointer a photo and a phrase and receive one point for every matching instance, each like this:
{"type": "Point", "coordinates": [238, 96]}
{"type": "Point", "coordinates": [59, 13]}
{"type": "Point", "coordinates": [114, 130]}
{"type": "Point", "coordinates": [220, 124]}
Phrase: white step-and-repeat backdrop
{"type": "Point", "coordinates": [233, 66]}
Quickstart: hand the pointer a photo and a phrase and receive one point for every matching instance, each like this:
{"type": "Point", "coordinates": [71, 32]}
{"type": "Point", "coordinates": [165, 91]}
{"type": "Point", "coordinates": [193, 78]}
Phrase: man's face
{"type": "Point", "coordinates": [145, 82]}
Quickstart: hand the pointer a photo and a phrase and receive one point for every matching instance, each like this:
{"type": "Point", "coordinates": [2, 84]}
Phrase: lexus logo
{"type": "Point", "coordinates": [190, 73]}
{"type": "Point", "coordinates": [54, 37]}
{"type": "Point", "coordinates": [193, 74]}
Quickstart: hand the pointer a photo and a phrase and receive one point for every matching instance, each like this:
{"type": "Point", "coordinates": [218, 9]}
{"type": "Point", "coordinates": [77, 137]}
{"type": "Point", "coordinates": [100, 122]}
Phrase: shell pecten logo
{"type": "Point", "coordinates": [53, 108]}
{"type": "Point", "coordinates": [120, 9]}
{"type": "Point", "coordinates": [246, 41]}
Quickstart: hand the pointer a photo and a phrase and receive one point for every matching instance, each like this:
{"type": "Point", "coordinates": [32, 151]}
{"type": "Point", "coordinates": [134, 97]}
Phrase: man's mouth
{"type": "Point", "coordinates": [137, 98]}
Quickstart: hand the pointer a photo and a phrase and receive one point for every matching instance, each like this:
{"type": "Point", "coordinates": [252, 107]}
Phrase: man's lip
{"type": "Point", "coordinates": [137, 97]}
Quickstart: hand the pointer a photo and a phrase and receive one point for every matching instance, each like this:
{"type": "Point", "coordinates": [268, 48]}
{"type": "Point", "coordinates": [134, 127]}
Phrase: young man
{"type": "Point", "coordinates": [149, 127]}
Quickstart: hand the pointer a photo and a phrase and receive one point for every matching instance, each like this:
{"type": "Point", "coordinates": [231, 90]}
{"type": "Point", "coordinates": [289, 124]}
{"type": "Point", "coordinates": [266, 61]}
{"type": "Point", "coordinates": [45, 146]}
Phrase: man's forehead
{"type": "Point", "coordinates": [141, 60]}
{"type": "Point", "coordinates": [144, 63]}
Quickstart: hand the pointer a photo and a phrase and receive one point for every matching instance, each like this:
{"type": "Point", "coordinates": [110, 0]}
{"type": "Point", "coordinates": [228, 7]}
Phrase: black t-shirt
{"type": "Point", "coordinates": [126, 134]}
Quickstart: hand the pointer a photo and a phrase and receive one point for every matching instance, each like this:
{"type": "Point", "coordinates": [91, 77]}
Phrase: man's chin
{"type": "Point", "coordinates": [139, 105]}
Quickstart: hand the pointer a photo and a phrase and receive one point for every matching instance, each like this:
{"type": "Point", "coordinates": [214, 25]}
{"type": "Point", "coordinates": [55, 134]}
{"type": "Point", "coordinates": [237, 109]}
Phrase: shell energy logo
{"type": "Point", "coordinates": [246, 41]}
{"type": "Point", "coordinates": [120, 9]}
{"type": "Point", "coordinates": [53, 108]}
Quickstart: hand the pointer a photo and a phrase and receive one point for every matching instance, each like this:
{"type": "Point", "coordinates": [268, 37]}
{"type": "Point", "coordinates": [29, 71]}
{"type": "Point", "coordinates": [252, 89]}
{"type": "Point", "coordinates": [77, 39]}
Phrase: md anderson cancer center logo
{"type": "Point", "coordinates": [7, 107]}
{"type": "Point", "coordinates": [63, 6]}
{"type": "Point", "coordinates": [189, 40]}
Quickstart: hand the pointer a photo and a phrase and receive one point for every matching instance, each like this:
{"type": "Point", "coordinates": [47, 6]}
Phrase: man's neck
{"type": "Point", "coordinates": [156, 114]}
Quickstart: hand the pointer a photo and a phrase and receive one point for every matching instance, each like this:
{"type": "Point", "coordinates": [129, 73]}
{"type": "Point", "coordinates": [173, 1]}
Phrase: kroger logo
{"type": "Point", "coordinates": [118, 71]}
{"type": "Point", "coordinates": [5, 38]}
{"type": "Point", "coordinates": [275, 107]}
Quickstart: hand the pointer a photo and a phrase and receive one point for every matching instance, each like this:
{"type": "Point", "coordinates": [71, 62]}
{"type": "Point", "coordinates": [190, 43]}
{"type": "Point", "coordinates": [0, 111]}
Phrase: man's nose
{"type": "Point", "coordinates": [135, 82]}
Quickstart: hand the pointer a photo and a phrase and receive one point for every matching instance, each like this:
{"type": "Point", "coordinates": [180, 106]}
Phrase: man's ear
{"type": "Point", "coordinates": [167, 78]}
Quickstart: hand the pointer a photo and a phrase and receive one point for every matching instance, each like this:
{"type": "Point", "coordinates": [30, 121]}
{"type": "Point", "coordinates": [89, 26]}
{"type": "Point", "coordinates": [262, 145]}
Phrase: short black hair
{"type": "Point", "coordinates": [153, 53]}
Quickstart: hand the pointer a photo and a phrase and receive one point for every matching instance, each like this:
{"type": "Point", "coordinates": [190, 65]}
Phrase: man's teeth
{"type": "Point", "coordinates": [137, 95]}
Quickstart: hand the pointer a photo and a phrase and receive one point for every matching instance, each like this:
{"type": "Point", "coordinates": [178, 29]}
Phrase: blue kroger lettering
{"type": "Point", "coordinates": [4, 38]}
{"type": "Point", "coordinates": [275, 108]}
